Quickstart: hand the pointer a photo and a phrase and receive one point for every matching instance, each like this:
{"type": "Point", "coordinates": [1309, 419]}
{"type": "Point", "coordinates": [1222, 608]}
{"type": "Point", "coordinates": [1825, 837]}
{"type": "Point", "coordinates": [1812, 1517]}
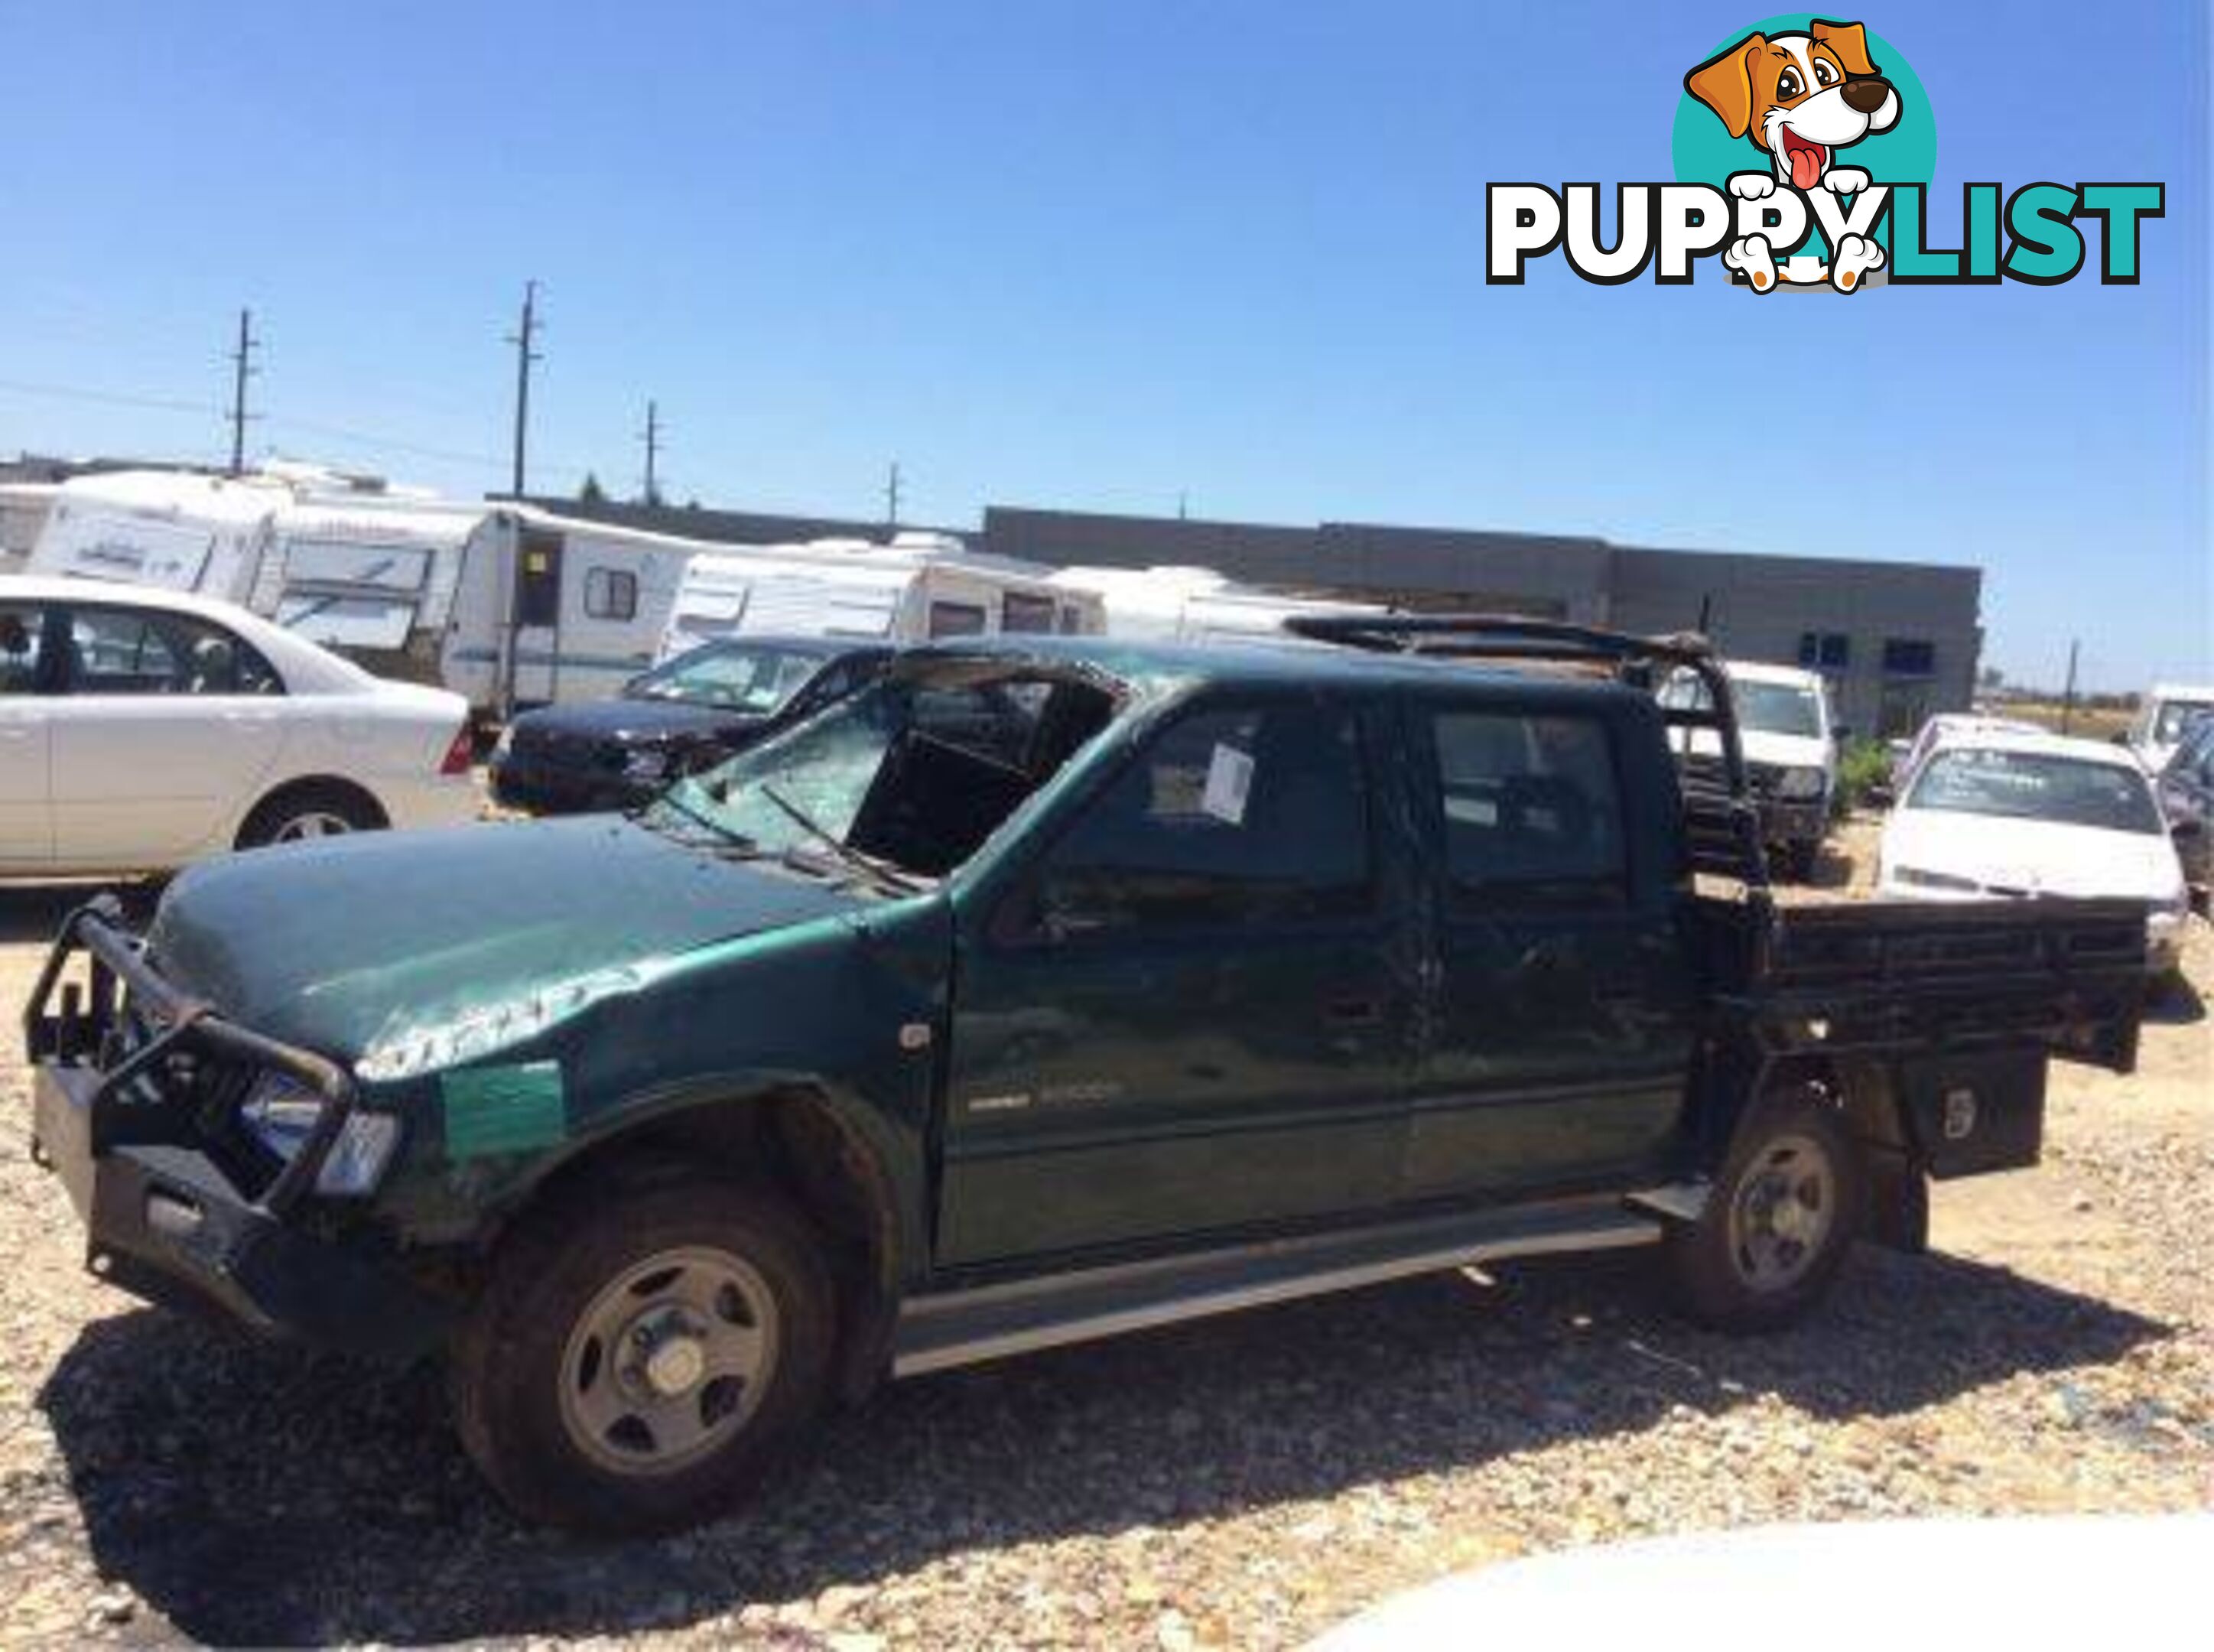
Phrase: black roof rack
{"type": "Point", "coordinates": [1722, 826]}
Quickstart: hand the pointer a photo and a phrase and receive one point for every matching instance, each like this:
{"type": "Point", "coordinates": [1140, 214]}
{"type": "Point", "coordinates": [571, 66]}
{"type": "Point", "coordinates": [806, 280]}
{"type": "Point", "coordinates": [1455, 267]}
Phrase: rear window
{"type": "Point", "coordinates": [1530, 812]}
{"type": "Point", "coordinates": [2037, 785]}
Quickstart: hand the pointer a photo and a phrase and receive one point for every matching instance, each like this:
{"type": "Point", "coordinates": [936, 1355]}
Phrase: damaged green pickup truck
{"type": "Point", "coordinates": [1043, 990]}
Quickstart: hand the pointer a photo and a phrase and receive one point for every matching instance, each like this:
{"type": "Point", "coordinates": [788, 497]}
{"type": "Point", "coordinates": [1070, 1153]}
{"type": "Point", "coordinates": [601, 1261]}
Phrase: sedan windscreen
{"type": "Point", "coordinates": [2037, 785]}
{"type": "Point", "coordinates": [739, 676]}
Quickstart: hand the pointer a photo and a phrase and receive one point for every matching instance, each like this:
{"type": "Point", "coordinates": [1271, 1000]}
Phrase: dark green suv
{"type": "Point", "coordinates": [1039, 992]}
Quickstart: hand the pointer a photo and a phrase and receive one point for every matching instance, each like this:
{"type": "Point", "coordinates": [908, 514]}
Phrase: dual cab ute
{"type": "Point", "coordinates": [1043, 990]}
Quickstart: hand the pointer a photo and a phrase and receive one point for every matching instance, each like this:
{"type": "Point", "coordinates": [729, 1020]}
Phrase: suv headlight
{"type": "Point", "coordinates": [1802, 783]}
{"type": "Point", "coordinates": [279, 1114]}
{"type": "Point", "coordinates": [505, 743]}
{"type": "Point", "coordinates": [651, 764]}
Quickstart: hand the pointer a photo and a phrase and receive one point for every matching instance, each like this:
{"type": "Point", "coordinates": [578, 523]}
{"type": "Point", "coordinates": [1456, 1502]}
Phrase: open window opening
{"type": "Point", "coordinates": [911, 775]}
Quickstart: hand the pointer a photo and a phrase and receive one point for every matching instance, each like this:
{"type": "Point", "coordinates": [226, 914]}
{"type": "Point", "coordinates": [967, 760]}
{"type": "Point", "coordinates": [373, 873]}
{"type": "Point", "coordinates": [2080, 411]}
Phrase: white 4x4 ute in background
{"type": "Point", "coordinates": [2164, 718]}
{"type": "Point", "coordinates": [141, 729]}
{"type": "Point", "coordinates": [1790, 743]}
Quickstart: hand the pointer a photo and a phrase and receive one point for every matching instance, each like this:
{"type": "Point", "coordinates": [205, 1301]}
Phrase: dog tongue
{"type": "Point", "coordinates": [1806, 168]}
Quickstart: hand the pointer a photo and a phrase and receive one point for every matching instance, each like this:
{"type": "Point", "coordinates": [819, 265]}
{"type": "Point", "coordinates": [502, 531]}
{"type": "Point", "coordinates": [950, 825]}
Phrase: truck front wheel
{"type": "Point", "coordinates": [1778, 1221]}
{"type": "Point", "coordinates": [636, 1360]}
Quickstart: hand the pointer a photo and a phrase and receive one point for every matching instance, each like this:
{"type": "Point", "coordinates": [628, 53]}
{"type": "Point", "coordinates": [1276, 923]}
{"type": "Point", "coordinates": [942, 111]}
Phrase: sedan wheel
{"type": "Point", "coordinates": [310, 822]}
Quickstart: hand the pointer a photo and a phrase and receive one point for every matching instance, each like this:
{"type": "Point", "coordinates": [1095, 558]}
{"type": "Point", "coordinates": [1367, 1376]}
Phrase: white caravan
{"type": "Point", "coordinates": [917, 587]}
{"type": "Point", "coordinates": [1183, 604]}
{"type": "Point", "coordinates": [23, 509]}
{"type": "Point", "coordinates": [180, 531]}
{"type": "Point", "coordinates": [506, 604]}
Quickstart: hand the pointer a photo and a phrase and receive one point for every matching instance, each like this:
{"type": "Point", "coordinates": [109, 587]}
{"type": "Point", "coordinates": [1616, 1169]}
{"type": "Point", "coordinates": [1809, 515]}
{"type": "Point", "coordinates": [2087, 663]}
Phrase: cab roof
{"type": "Point", "coordinates": [1168, 667]}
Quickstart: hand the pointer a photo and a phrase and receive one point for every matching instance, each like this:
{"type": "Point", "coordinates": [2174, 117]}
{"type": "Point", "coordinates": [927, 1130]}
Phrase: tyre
{"type": "Point", "coordinates": [307, 811]}
{"type": "Point", "coordinates": [1779, 1222]}
{"type": "Point", "coordinates": [636, 1361]}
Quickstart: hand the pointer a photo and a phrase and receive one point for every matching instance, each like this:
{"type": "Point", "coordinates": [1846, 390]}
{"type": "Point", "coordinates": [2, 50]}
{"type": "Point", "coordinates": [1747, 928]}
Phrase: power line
{"type": "Point", "coordinates": [107, 398]}
{"type": "Point", "coordinates": [242, 368]}
{"type": "Point", "coordinates": [522, 339]}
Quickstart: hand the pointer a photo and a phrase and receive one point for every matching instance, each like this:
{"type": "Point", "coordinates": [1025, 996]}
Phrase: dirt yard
{"type": "Point", "coordinates": [1242, 1482]}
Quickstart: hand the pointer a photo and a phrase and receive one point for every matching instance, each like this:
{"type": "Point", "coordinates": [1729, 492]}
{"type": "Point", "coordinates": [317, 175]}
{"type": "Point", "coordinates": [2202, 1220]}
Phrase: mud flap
{"type": "Point", "coordinates": [1898, 1215]}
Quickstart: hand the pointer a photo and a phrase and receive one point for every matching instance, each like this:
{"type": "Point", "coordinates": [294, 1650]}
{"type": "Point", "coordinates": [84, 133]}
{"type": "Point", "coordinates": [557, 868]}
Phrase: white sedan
{"type": "Point", "coordinates": [141, 729]}
{"type": "Point", "coordinates": [1990, 814]}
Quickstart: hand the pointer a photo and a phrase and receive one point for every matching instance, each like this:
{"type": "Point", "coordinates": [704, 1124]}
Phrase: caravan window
{"type": "Point", "coordinates": [958, 620]}
{"type": "Point", "coordinates": [1020, 611]}
{"type": "Point", "coordinates": [610, 594]}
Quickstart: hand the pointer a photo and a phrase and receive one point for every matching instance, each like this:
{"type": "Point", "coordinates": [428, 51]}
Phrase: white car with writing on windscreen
{"type": "Point", "coordinates": [1991, 815]}
{"type": "Point", "coordinates": [141, 728]}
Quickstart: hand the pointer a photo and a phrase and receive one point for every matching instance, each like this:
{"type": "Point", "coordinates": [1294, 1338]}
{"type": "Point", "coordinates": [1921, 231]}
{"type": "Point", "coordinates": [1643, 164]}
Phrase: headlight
{"type": "Point", "coordinates": [2174, 910]}
{"type": "Point", "coordinates": [505, 743]}
{"type": "Point", "coordinates": [279, 1115]}
{"type": "Point", "coordinates": [1800, 783]}
{"type": "Point", "coordinates": [647, 765]}
{"type": "Point", "coordinates": [1918, 878]}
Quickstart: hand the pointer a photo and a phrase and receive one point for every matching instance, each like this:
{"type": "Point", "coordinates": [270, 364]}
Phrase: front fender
{"type": "Point", "coordinates": [850, 1011]}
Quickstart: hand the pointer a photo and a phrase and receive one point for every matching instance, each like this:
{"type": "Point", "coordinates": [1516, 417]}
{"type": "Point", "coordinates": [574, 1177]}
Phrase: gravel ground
{"type": "Point", "coordinates": [1245, 1482]}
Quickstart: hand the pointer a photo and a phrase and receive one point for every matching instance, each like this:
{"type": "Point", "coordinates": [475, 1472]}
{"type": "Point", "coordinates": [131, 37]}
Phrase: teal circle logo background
{"type": "Point", "coordinates": [1705, 153]}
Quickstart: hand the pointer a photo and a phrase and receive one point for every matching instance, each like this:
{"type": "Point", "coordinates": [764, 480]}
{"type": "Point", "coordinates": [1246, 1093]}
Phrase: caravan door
{"type": "Point", "coordinates": [533, 641]}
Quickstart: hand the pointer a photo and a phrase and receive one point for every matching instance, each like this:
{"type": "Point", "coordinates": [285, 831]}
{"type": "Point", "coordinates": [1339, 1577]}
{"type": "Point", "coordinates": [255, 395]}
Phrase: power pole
{"type": "Point", "coordinates": [1183, 502]}
{"type": "Point", "coordinates": [652, 439]}
{"type": "Point", "coordinates": [2068, 696]}
{"type": "Point", "coordinates": [523, 339]}
{"type": "Point", "coordinates": [241, 368]}
{"type": "Point", "coordinates": [892, 499]}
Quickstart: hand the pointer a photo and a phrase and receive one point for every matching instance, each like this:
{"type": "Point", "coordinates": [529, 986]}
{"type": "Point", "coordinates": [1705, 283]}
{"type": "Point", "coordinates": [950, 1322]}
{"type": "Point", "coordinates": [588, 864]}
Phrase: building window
{"type": "Point", "coordinates": [1907, 656]}
{"type": "Point", "coordinates": [610, 594]}
{"type": "Point", "coordinates": [1826, 650]}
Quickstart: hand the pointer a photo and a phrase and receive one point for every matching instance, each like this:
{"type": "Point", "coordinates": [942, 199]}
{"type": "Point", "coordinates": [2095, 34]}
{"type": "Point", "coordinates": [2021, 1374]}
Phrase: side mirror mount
{"type": "Point", "coordinates": [2189, 829]}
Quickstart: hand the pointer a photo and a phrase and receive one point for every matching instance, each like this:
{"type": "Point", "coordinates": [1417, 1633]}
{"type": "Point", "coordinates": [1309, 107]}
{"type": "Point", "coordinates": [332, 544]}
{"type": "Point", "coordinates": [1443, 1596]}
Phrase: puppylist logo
{"type": "Point", "coordinates": [1804, 150]}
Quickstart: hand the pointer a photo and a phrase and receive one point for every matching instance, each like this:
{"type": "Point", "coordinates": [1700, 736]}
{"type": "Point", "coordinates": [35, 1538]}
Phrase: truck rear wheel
{"type": "Point", "coordinates": [1779, 1222]}
{"type": "Point", "coordinates": [636, 1361]}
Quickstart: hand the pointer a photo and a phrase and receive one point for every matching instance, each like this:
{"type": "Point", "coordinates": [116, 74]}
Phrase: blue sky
{"type": "Point", "coordinates": [1101, 255]}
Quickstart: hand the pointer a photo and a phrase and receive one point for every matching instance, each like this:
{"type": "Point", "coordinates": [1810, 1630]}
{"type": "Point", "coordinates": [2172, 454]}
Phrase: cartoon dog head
{"type": "Point", "coordinates": [1801, 97]}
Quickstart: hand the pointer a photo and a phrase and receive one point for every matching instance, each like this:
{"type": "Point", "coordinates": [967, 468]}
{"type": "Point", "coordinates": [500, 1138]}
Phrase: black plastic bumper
{"type": "Point", "coordinates": [543, 788]}
{"type": "Point", "coordinates": [1792, 823]}
{"type": "Point", "coordinates": [163, 1217]}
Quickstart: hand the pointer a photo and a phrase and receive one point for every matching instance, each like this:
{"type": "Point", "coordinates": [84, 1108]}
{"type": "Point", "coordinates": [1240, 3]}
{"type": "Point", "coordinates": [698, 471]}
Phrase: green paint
{"type": "Point", "coordinates": [492, 1109]}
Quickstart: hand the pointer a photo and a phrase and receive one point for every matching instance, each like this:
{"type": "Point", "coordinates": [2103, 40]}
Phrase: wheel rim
{"type": "Point", "coordinates": [310, 822]}
{"type": "Point", "coordinates": [1781, 1218]}
{"type": "Point", "coordinates": [669, 1360]}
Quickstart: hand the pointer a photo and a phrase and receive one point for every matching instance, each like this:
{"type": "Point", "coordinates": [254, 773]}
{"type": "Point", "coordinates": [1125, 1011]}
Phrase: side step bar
{"type": "Point", "coordinates": [989, 1322]}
